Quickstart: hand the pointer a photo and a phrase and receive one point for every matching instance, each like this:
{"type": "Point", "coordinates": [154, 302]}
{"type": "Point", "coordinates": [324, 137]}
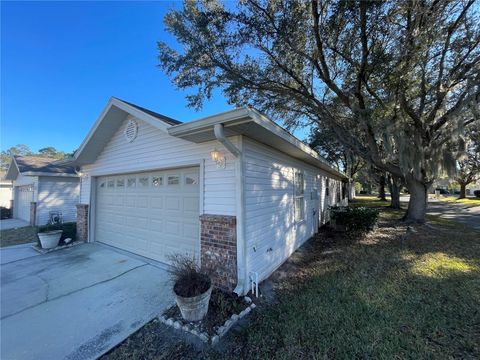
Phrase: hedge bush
{"type": "Point", "coordinates": [69, 229]}
{"type": "Point", "coordinates": [354, 219]}
{"type": "Point", "coordinates": [5, 213]}
{"type": "Point", "coordinates": [477, 193]}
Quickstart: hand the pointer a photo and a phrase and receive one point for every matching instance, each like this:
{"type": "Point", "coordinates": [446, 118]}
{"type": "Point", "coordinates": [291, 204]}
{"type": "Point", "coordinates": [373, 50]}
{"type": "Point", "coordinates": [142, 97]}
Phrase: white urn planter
{"type": "Point", "coordinates": [50, 239]}
{"type": "Point", "coordinates": [196, 307]}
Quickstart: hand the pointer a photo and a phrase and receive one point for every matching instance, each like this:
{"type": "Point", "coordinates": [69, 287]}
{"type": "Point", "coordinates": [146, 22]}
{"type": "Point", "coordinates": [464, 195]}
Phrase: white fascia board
{"type": "Point", "coordinates": [246, 114]}
{"type": "Point", "coordinates": [9, 175]}
{"type": "Point", "coordinates": [279, 131]}
{"type": "Point", "coordinates": [40, 173]}
{"type": "Point", "coordinates": [199, 125]}
{"type": "Point", "coordinates": [129, 110]}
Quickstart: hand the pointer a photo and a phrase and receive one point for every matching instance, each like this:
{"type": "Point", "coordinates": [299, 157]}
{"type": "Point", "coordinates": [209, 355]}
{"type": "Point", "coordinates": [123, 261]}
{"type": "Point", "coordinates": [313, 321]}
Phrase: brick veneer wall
{"type": "Point", "coordinates": [82, 222]}
{"type": "Point", "coordinates": [33, 213]}
{"type": "Point", "coordinates": [218, 247]}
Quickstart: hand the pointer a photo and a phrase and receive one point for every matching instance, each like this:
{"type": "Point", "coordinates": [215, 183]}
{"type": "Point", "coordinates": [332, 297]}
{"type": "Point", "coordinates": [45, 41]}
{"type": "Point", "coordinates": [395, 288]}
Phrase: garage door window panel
{"type": "Point", "coordinates": [160, 213]}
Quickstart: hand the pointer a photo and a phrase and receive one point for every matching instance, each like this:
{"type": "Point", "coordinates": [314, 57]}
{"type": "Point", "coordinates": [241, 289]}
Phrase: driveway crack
{"type": "Point", "coordinates": [72, 292]}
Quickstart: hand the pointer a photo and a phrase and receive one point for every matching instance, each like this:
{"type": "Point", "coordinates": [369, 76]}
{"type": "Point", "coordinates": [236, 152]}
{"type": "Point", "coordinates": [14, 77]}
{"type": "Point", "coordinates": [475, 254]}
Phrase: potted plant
{"type": "Point", "coordinates": [192, 287]}
{"type": "Point", "coordinates": [49, 236]}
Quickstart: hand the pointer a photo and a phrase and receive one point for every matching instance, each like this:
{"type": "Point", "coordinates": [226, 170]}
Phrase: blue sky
{"type": "Point", "coordinates": [61, 61]}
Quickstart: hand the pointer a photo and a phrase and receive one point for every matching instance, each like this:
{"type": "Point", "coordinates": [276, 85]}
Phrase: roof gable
{"type": "Point", "coordinates": [109, 121]}
{"type": "Point", "coordinates": [36, 166]}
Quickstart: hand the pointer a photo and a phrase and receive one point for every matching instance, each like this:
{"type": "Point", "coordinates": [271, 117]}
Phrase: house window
{"type": "Point", "coordinates": [157, 181]}
{"type": "Point", "coordinates": [173, 180]}
{"type": "Point", "coordinates": [191, 179]}
{"type": "Point", "coordinates": [327, 188]}
{"type": "Point", "coordinates": [344, 190]}
{"type": "Point", "coordinates": [143, 181]}
{"type": "Point", "coordinates": [299, 196]}
{"type": "Point", "coordinates": [132, 182]}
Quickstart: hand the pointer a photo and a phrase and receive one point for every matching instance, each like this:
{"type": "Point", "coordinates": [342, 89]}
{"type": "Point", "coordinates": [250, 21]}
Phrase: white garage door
{"type": "Point", "coordinates": [21, 205]}
{"type": "Point", "coordinates": [153, 214]}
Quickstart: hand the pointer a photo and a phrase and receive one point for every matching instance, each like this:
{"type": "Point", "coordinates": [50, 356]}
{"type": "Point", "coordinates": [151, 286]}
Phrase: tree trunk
{"type": "Point", "coordinates": [381, 188]}
{"type": "Point", "coordinates": [417, 206]}
{"type": "Point", "coordinates": [463, 191]}
{"type": "Point", "coordinates": [394, 186]}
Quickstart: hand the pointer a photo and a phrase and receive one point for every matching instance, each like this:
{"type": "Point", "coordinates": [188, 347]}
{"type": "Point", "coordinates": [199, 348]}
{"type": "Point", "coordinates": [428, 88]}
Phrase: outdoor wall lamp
{"type": "Point", "coordinates": [218, 158]}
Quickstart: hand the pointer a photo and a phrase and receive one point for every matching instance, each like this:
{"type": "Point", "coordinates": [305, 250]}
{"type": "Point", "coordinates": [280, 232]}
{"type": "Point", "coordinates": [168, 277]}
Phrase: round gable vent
{"type": "Point", "coordinates": [131, 131]}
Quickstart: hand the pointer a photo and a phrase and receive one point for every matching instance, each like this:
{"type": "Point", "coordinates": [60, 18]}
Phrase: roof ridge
{"type": "Point", "coordinates": [167, 119]}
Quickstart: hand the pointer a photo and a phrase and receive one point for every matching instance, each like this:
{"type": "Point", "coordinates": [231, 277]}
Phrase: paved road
{"type": "Point", "coordinates": [466, 214]}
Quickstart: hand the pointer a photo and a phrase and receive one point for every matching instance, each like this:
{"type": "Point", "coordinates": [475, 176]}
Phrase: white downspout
{"type": "Point", "coordinates": [240, 208]}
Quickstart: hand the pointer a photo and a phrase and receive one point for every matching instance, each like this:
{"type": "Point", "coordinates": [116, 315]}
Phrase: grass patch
{"type": "Point", "coordinates": [378, 296]}
{"type": "Point", "coordinates": [473, 201]}
{"type": "Point", "coordinates": [18, 236]}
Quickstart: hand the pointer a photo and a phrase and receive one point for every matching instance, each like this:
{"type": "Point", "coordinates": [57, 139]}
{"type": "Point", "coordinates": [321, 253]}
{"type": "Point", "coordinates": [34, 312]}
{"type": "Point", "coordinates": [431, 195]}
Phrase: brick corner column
{"type": "Point", "coordinates": [33, 213]}
{"type": "Point", "coordinates": [82, 222]}
{"type": "Point", "coordinates": [218, 249]}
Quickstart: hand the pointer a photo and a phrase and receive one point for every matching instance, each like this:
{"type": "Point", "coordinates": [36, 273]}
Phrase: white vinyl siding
{"type": "Point", "coordinates": [23, 198]}
{"type": "Point", "coordinates": [6, 195]}
{"type": "Point", "coordinates": [153, 149]}
{"type": "Point", "coordinates": [271, 232]}
{"type": "Point", "coordinates": [57, 194]}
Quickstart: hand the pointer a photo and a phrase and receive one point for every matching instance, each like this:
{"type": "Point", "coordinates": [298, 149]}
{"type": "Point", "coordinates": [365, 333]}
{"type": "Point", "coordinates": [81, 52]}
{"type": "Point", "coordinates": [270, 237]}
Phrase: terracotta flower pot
{"type": "Point", "coordinates": [196, 307]}
{"type": "Point", "coordinates": [50, 239]}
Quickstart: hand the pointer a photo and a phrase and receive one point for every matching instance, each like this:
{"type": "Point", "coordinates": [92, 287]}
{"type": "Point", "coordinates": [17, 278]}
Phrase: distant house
{"type": "Point", "coordinates": [234, 188]}
{"type": "Point", "coordinates": [43, 188]}
{"type": "Point", "coordinates": [5, 191]}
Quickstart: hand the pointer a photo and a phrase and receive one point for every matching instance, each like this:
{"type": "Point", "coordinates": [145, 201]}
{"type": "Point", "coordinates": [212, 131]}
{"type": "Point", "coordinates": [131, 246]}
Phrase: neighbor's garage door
{"type": "Point", "coordinates": [153, 214]}
{"type": "Point", "coordinates": [21, 205]}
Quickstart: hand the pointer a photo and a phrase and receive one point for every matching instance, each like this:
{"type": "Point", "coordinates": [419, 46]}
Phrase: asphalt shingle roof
{"type": "Point", "coordinates": [164, 118]}
{"type": "Point", "coordinates": [45, 165]}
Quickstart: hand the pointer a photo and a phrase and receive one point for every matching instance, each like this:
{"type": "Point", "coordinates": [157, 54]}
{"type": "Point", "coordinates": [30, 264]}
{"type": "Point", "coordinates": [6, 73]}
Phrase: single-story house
{"type": "Point", "coordinates": [43, 188]}
{"type": "Point", "coordinates": [234, 189]}
{"type": "Point", "coordinates": [5, 191]}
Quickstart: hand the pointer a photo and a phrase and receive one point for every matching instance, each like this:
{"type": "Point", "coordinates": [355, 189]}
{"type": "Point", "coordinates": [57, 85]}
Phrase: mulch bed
{"type": "Point", "coordinates": [222, 306]}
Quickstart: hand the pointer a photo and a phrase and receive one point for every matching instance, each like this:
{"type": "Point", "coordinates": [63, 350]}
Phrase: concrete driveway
{"type": "Point", "coordinates": [12, 224]}
{"type": "Point", "coordinates": [76, 303]}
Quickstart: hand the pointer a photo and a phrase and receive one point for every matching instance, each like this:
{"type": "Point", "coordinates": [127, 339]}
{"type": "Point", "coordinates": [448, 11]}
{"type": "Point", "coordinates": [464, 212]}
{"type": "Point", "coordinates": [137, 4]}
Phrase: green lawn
{"type": "Point", "coordinates": [473, 201]}
{"type": "Point", "coordinates": [379, 298]}
{"type": "Point", "coordinates": [22, 235]}
{"type": "Point", "coordinates": [375, 297]}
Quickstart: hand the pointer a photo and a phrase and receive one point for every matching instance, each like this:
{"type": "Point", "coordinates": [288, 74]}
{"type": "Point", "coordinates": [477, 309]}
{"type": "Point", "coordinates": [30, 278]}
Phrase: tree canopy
{"type": "Point", "coordinates": [397, 73]}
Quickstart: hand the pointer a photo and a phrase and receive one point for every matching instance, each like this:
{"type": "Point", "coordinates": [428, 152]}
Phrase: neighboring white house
{"type": "Point", "coordinates": [235, 189]}
{"type": "Point", "coordinates": [5, 191]}
{"type": "Point", "coordinates": [43, 188]}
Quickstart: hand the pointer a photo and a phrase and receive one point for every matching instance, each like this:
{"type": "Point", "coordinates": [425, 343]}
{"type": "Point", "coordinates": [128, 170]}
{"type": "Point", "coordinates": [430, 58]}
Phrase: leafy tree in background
{"type": "Point", "coordinates": [6, 155]}
{"type": "Point", "coordinates": [468, 168]}
{"type": "Point", "coordinates": [323, 140]}
{"type": "Point", "coordinates": [51, 152]}
{"type": "Point", "coordinates": [24, 150]}
{"type": "Point", "coordinates": [399, 73]}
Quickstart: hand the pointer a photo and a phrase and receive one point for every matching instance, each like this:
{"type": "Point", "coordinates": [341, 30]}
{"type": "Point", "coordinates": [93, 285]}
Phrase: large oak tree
{"type": "Point", "coordinates": [398, 72]}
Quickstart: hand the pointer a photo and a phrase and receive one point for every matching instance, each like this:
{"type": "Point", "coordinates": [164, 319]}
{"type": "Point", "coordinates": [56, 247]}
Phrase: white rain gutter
{"type": "Point", "coordinates": [240, 202]}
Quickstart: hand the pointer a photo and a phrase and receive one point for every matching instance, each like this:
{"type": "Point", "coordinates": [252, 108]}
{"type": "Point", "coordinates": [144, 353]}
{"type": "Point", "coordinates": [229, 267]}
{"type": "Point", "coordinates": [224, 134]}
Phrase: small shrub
{"type": "Point", "coordinates": [188, 277]}
{"type": "Point", "coordinates": [354, 219]}
{"type": "Point", "coordinates": [69, 229]}
{"type": "Point", "coordinates": [5, 213]}
{"type": "Point", "coordinates": [477, 193]}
